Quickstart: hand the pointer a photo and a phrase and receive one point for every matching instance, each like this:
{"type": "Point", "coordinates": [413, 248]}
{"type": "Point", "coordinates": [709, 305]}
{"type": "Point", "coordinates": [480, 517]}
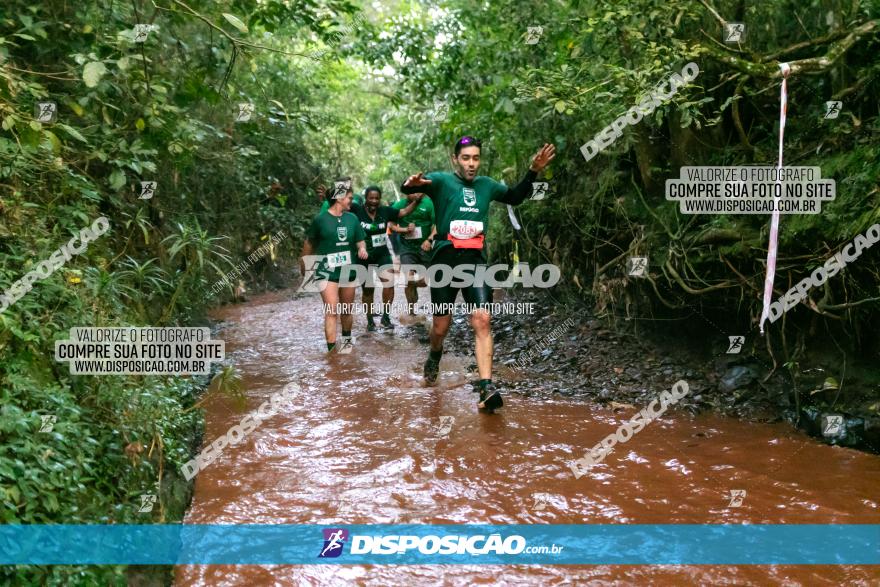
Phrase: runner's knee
{"type": "Point", "coordinates": [481, 321]}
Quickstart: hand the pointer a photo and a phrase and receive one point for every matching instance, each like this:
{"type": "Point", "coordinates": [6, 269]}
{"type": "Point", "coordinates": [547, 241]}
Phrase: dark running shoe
{"type": "Point", "coordinates": [371, 326]}
{"type": "Point", "coordinates": [490, 398]}
{"type": "Point", "coordinates": [386, 321]}
{"type": "Point", "coordinates": [432, 371]}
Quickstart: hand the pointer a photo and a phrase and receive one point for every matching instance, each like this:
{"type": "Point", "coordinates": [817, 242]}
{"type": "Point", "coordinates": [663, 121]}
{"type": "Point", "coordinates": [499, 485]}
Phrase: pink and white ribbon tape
{"type": "Point", "coordinates": [773, 246]}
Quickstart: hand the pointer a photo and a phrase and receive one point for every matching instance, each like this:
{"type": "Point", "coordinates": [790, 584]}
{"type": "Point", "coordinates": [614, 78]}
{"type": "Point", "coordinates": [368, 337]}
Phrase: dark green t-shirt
{"type": "Point", "coordinates": [375, 228]}
{"type": "Point", "coordinates": [331, 235]}
{"type": "Point", "coordinates": [462, 208]}
{"type": "Point", "coordinates": [422, 217]}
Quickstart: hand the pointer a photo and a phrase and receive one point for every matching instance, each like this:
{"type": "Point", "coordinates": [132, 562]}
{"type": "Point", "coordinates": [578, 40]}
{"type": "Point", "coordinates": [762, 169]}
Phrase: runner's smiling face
{"type": "Point", "coordinates": [372, 201]}
{"type": "Point", "coordinates": [467, 162]}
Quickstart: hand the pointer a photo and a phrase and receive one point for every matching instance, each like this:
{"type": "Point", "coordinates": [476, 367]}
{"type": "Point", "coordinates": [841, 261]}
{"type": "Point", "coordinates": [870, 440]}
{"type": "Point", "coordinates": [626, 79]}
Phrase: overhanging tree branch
{"type": "Point", "coordinates": [811, 65]}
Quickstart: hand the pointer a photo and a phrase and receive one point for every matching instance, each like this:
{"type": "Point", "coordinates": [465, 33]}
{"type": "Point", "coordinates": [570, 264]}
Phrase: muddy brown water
{"type": "Point", "coordinates": [363, 444]}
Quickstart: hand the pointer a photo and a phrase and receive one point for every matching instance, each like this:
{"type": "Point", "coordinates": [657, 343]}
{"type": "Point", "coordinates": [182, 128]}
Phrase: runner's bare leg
{"type": "Point", "coordinates": [482, 325]}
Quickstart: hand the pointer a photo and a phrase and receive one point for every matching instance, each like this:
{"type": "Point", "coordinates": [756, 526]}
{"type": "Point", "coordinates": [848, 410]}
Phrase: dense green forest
{"type": "Point", "coordinates": [152, 91]}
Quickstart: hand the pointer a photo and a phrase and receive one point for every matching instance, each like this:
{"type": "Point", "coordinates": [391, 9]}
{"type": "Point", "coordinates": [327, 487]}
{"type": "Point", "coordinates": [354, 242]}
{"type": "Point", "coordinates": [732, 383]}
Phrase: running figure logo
{"type": "Point", "coordinates": [539, 190]}
{"type": "Point", "coordinates": [831, 425]}
{"type": "Point", "coordinates": [47, 423]}
{"type": "Point", "coordinates": [45, 111]}
{"type": "Point", "coordinates": [346, 344]}
{"type": "Point", "coordinates": [245, 110]}
{"type": "Point", "coordinates": [445, 425]}
{"type": "Point", "coordinates": [736, 498]}
{"type": "Point", "coordinates": [147, 503]}
{"type": "Point", "coordinates": [533, 35]}
{"type": "Point", "coordinates": [733, 32]}
{"type": "Point", "coordinates": [340, 188]}
{"type": "Point", "coordinates": [315, 275]}
{"type": "Point", "coordinates": [832, 109]}
{"type": "Point", "coordinates": [637, 266]}
{"type": "Point", "coordinates": [334, 540]}
{"type": "Point", "coordinates": [148, 190]}
{"type": "Point", "coordinates": [736, 343]}
{"type": "Point", "coordinates": [141, 31]}
{"type": "Point", "coordinates": [441, 111]}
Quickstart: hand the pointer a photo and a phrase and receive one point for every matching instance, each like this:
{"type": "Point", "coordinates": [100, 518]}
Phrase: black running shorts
{"type": "Point", "coordinates": [473, 294]}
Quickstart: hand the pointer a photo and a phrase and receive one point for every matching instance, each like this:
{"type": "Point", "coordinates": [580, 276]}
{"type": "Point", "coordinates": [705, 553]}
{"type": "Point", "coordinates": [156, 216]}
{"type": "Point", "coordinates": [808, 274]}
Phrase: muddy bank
{"type": "Point", "coordinates": [563, 350]}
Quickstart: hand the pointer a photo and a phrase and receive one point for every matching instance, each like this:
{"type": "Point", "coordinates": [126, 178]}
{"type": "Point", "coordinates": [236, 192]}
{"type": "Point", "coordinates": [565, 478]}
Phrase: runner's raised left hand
{"type": "Point", "coordinates": [543, 158]}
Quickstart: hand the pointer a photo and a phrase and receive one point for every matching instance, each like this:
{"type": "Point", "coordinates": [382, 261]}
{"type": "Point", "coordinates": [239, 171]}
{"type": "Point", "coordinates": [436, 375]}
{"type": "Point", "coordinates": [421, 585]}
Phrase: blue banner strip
{"type": "Point", "coordinates": [590, 544]}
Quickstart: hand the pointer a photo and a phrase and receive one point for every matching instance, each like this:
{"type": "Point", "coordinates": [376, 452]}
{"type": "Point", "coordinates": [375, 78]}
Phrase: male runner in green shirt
{"type": "Point", "coordinates": [416, 230]}
{"type": "Point", "coordinates": [337, 235]}
{"type": "Point", "coordinates": [461, 201]}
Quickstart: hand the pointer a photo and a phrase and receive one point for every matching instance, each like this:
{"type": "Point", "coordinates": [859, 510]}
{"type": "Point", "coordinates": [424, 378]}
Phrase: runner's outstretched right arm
{"type": "Point", "coordinates": [418, 183]}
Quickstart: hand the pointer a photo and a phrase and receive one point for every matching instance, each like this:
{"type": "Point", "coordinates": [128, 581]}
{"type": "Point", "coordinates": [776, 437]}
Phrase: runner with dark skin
{"type": "Point", "coordinates": [374, 219]}
{"type": "Point", "coordinates": [461, 201]}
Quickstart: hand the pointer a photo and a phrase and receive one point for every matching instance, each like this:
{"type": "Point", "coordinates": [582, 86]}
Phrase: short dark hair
{"type": "Point", "coordinates": [467, 141]}
{"type": "Point", "coordinates": [334, 193]}
{"type": "Point", "coordinates": [372, 188]}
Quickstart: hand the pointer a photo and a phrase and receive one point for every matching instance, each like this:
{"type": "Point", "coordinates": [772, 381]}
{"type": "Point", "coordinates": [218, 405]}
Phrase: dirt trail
{"type": "Point", "coordinates": [363, 444]}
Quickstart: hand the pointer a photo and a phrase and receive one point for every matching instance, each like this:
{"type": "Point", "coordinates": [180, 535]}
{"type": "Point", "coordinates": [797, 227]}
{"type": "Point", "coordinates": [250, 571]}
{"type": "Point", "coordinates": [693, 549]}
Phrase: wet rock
{"type": "Point", "coordinates": [737, 378]}
{"type": "Point", "coordinates": [872, 432]}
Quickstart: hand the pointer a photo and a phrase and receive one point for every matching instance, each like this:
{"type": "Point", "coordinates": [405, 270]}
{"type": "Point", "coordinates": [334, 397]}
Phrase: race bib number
{"type": "Point", "coordinates": [416, 233]}
{"type": "Point", "coordinates": [465, 229]}
{"type": "Point", "coordinates": [379, 240]}
{"type": "Point", "coordinates": [335, 260]}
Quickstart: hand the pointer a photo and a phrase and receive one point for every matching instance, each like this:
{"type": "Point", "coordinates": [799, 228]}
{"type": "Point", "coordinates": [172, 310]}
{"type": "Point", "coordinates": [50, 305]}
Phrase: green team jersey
{"type": "Point", "coordinates": [462, 207]}
{"type": "Point", "coordinates": [375, 228]}
{"type": "Point", "coordinates": [334, 236]}
{"type": "Point", "coordinates": [422, 216]}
